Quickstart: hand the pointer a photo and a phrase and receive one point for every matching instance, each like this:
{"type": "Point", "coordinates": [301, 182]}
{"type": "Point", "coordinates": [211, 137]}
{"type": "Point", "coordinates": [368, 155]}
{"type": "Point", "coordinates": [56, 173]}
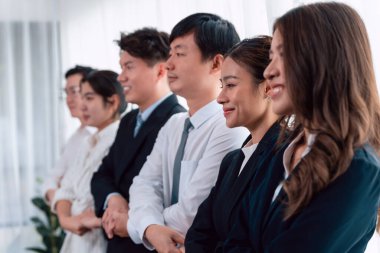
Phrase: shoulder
{"type": "Point", "coordinates": [129, 116]}
{"type": "Point", "coordinates": [365, 163]}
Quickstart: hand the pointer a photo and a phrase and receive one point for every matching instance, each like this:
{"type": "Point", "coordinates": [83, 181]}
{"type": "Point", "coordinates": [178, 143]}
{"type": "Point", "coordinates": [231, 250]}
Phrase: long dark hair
{"type": "Point", "coordinates": [331, 82]}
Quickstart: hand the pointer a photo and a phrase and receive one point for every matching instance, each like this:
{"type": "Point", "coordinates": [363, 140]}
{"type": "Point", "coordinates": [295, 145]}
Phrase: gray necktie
{"type": "Point", "coordinates": [139, 122]}
{"type": "Point", "coordinates": [177, 161]}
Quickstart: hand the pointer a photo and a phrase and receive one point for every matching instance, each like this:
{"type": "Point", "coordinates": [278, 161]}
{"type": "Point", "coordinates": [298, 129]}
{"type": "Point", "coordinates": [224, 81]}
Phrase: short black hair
{"type": "Point", "coordinates": [213, 35]}
{"type": "Point", "coordinates": [149, 44]}
{"type": "Point", "coordinates": [105, 84]}
{"type": "Point", "coordinates": [78, 69]}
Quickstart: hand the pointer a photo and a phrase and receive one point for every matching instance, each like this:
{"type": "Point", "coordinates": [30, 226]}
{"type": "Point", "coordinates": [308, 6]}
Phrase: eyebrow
{"type": "Point", "coordinates": [91, 93]}
{"type": "Point", "coordinates": [225, 78]}
{"type": "Point", "coordinates": [180, 46]}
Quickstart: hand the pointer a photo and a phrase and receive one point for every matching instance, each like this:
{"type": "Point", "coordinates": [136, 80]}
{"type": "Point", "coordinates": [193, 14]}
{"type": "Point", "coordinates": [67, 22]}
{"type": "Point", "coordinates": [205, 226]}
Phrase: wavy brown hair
{"type": "Point", "coordinates": [331, 82]}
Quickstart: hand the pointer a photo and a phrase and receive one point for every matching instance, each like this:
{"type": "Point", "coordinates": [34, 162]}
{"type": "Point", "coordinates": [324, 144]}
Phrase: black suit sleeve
{"type": "Point", "coordinates": [102, 182]}
{"type": "Point", "coordinates": [202, 237]}
{"type": "Point", "coordinates": [340, 218]}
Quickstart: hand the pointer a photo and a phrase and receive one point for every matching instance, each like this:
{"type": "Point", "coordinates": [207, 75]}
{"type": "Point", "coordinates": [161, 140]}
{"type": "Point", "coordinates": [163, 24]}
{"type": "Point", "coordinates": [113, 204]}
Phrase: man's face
{"type": "Point", "coordinates": [138, 80]}
{"type": "Point", "coordinates": [186, 70]}
{"type": "Point", "coordinates": [73, 97]}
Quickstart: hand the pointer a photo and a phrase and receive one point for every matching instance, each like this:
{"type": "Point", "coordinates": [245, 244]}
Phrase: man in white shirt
{"type": "Point", "coordinates": [165, 196]}
{"type": "Point", "coordinates": [60, 174]}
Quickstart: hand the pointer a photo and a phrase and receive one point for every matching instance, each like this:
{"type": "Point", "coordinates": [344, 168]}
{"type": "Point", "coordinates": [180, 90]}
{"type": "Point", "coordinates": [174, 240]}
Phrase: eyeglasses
{"type": "Point", "coordinates": [72, 91]}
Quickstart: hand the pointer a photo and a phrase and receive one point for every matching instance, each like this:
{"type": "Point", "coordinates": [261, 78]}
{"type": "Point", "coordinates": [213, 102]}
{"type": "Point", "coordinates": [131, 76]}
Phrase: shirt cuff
{"type": "Point", "coordinates": [136, 231]}
{"type": "Point", "coordinates": [108, 199]}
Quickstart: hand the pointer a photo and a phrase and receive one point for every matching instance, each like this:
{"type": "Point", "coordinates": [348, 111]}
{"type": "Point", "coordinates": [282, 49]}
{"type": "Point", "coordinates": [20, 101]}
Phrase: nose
{"type": "Point", "coordinates": [83, 107]}
{"type": "Point", "coordinates": [222, 98]}
{"type": "Point", "coordinates": [271, 71]}
{"type": "Point", "coordinates": [169, 63]}
{"type": "Point", "coordinates": [122, 77]}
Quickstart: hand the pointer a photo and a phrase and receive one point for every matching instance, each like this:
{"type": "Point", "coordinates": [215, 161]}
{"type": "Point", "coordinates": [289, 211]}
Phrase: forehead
{"type": "Point", "coordinates": [277, 39]}
{"type": "Point", "coordinates": [86, 88]}
{"type": "Point", "coordinates": [126, 58]}
{"type": "Point", "coordinates": [73, 80]}
{"type": "Point", "coordinates": [184, 42]}
{"type": "Point", "coordinates": [232, 68]}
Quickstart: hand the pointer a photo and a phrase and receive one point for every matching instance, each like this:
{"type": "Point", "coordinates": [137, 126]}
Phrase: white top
{"type": "Point", "coordinates": [78, 190]}
{"type": "Point", "coordinates": [59, 174]}
{"type": "Point", "coordinates": [208, 142]}
{"type": "Point", "coordinates": [248, 151]}
{"type": "Point", "coordinates": [287, 157]}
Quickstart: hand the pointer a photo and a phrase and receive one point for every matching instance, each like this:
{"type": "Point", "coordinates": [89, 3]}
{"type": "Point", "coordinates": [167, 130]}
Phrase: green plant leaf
{"type": "Point", "coordinates": [40, 250]}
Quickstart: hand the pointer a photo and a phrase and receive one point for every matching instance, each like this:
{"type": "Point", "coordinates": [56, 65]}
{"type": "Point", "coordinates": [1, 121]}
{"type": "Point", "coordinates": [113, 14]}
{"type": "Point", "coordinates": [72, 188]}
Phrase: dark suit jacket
{"type": "Point", "coordinates": [217, 213]}
{"type": "Point", "coordinates": [341, 218]}
{"type": "Point", "coordinates": [126, 157]}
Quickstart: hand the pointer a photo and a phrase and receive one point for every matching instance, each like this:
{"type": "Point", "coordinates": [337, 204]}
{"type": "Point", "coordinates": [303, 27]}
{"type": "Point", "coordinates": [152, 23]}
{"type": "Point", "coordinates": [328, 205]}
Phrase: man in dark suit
{"type": "Point", "coordinates": [143, 76]}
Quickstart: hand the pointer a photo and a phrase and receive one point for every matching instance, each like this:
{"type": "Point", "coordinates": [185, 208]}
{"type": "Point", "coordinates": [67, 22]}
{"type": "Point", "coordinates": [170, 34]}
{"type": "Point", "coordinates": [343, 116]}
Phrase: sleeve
{"type": "Point", "coordinates": [221, 140]}
{"type": "Point", "coordinates": [102, 182]}
{"type": "Point", "coordinates": [63, 193]}
{"type": "Point", "coordinates": [52, 181]}
{"type": "Point", "coordinates": [146, 194]}
{"type": "Point", "coordinates": [201, 236]}
{"type": "Point", "coordinates": [341, 218]}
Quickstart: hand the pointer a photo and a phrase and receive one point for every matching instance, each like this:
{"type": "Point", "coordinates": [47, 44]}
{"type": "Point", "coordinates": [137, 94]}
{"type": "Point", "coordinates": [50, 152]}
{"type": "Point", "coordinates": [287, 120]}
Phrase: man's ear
{"type": "Point", "coordinates": [161, 69]}
{"type": "Point", "coordinates": [217, 62]}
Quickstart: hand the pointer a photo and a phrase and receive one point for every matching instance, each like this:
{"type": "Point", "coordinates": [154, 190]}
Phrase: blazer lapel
{"type": "Point", "coordinates": [133, 144]}
{"type": "Point", "coordinates": [250, 170]}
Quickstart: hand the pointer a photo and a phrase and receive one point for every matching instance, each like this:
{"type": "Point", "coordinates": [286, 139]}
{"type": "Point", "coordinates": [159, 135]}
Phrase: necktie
{"type": "Point", "coordinates": [177, 161]}
{"type": "Point", "coordinates": [139, 122]}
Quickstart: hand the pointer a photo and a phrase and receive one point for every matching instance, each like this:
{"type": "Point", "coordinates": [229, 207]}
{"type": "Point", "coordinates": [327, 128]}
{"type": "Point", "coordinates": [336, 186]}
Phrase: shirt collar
{"type": "Point", "coordinates": [290, 150]}
{"type": "Point", "coordinates": [148, 111]}
{"type": "Point", "coordinates": [104, 132]}
{"type": "Point", "coordinates": [205, 113]}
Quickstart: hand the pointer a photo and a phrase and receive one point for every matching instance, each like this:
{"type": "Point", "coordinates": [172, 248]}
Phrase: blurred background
{"type": "Point", "coordinates": [41, 39]}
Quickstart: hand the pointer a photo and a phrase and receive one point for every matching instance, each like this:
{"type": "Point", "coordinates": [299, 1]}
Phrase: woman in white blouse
{"type": "Point", "coordinates": [103, 102]}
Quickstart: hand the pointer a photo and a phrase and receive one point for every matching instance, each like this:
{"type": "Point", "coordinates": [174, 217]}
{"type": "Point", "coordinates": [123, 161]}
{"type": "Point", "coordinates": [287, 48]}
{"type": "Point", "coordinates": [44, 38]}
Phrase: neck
{"type": "Point", "coordinates": [201, 99]}
{"type": "Point", "coordinates": [157, 96]}
{"type": "Point", "coordinates": [258, 132]}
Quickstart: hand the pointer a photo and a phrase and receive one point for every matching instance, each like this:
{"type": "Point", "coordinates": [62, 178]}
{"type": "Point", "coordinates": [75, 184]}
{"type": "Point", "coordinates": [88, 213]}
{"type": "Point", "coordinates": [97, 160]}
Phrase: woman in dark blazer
{"type": "Point", "coordinates": [322, 193]}
{"type": "Point", "coordinates": [245, 101]}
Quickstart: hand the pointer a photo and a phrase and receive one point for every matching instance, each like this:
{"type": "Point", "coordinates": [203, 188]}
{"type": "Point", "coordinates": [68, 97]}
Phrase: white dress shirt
{"type": "Point", "coordinates": [60, 173]}
{"type": "Point", "coordinates": [247, 151]}
{"type": "Point", "coordinates": [78, 190]}
{"type": "Point", "coordinates": [208, 142]}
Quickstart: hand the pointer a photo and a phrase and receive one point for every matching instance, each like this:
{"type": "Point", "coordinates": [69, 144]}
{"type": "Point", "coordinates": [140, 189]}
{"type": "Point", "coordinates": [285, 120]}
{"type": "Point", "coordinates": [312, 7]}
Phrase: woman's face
{"type": "Point", "coordinates": [244, 102]}
{"type": "Point", "coordinates": [275, 75]}
{"type": "Point", "coordinates": [96, 113]}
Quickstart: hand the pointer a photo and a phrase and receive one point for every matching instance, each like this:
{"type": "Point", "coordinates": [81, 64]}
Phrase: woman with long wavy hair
{"type": "Point", "coordinates": [324, 188]}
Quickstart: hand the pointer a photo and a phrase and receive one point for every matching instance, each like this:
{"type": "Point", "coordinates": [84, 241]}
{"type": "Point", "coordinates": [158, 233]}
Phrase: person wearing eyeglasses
{"type": "Point", "coordinates": [59, 174]}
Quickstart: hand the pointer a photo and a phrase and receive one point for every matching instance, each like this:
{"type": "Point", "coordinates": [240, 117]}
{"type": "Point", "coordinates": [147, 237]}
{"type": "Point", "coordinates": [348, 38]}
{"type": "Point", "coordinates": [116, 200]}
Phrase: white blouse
{"type": "Point", "coordinates": [78, 192]}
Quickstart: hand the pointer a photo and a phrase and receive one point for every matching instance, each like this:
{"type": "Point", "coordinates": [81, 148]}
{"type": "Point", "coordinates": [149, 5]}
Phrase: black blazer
{"type": "Point", "coordinates": [217, 213]}
{"type": "Point", "coordinates": [339, 219]}
{"type": "Point", "coordinates": [126, 157]}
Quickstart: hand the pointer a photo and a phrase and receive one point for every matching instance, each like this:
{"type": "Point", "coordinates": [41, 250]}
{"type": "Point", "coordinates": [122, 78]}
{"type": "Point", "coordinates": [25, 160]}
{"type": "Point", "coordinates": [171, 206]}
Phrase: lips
{"type": "Point", "coordinates": [172, 78]}
{"type": "Point", "coordinates": [126, 89]}
{"type": "Point", "coordinates": [86, 117]}
{"type": "Point", "coordinates": [276, 91]}
{"type": "Point", "coordinates": [227, 111]}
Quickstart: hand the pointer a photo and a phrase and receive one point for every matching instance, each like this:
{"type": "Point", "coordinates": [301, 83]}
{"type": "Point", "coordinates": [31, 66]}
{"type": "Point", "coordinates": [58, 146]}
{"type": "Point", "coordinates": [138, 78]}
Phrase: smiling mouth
{"type": "Point", "coordinates": [126, 88]}
{"type": "Point", "coordinates": [276, 91]}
